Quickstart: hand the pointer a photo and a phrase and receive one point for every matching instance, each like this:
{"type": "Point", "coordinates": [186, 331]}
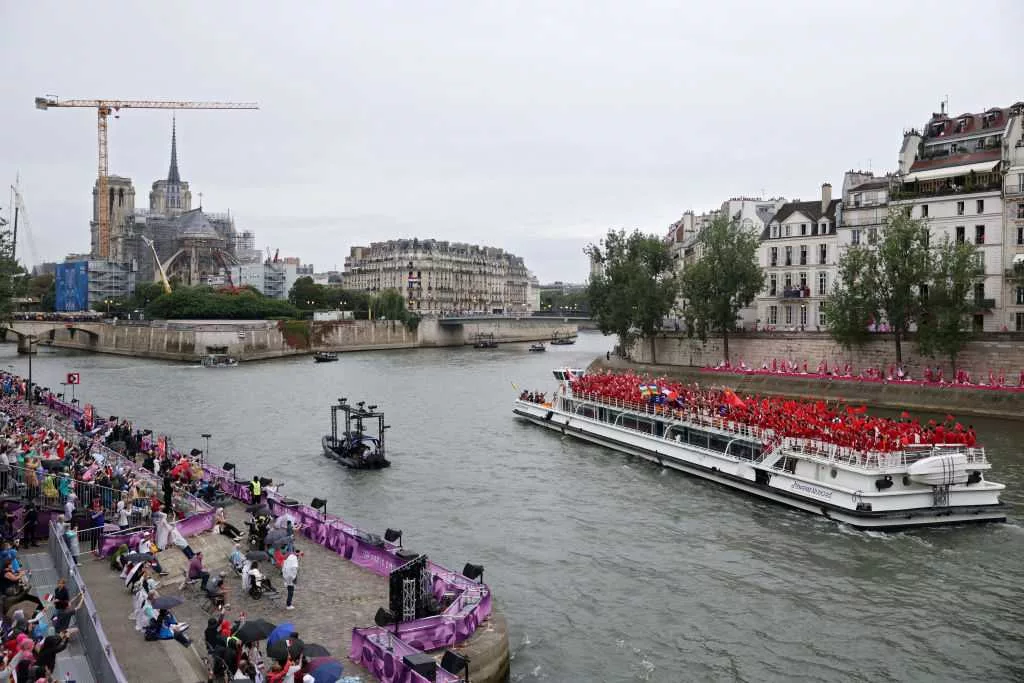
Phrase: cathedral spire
{"type": "Point", "coordinates": [172, 175]}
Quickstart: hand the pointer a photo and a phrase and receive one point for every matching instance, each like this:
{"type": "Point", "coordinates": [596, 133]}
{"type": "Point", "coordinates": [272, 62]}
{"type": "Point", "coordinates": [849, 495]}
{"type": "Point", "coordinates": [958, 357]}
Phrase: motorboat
{"type": "Point", "coordinates": [484, 341]}
{"type": "Point", "coordinates": [218, 360]}
{"type": "Point", "coordinates": [324, 357]}
{"type": "Point", "coordinates": [538, 348]}
{"type": "Point", "coordinates": [560, 338]}
{"type": "Point", "coordinates": [356, 445]}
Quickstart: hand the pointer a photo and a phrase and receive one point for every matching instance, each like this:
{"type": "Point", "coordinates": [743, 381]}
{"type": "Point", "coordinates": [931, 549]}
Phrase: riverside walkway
{"type": "Point", "coordinates": [343, 581]}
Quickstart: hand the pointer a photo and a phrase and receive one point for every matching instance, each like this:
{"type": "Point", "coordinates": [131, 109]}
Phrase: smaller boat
{"type": "Point", "coordinates": [324, 357]}
{"type": "Point", "coordinates": [484, 341]}
{"type": "Point", "coordinates": [563, 338]}
{"type": "Point", "coordinates": [218, 360]}
{"type": "Point", "coordinates": [538, 348]}
{"type": "Point", "coordinates": [356, 447]}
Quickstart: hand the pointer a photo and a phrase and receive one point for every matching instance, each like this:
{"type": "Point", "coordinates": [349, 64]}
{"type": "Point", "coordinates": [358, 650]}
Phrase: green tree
{"type": "Point", "coordinates": [203, 303]}
{"type": "Point", "coordinates": [944, 326]}
{"type": "Point", "coordinates": [636, 288]}
{"type": "Point", "coordinates": [903, 266]}
{"type": "Point", "coordinates": [12, 276]}
{"type": "Point", "coordinates": [307, 295]}
{"type": "Point", "coordinates": [853, 304]}
{"type": "Point", "coordinates": [725, 279]}
{"type": "Point", "coordinates": [43, 288]}
{"type": "Point", "coordinates": [390, 305]}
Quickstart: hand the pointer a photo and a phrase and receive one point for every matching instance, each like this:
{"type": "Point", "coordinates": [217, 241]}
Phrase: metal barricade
{"type": "Point", "coordinates": [98, 649]}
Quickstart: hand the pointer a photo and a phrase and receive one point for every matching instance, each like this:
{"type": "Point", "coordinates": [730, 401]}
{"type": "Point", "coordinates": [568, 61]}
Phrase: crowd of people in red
{"type": "Point", "coordinates": [997, 379]}
{"type": "Point", "coordinates": [830, 422]}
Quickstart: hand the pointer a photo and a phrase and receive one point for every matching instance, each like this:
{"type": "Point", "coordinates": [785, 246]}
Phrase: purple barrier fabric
{"type": "Point", "coordinates": [382, 655]}
{"type": "Point", "coordinates": [378, 650]}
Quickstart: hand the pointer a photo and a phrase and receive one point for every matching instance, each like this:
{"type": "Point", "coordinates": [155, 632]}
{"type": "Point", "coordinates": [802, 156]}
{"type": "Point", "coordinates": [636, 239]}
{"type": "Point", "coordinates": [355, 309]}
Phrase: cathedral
{"type": "Point", "coordinates": [193, 246]}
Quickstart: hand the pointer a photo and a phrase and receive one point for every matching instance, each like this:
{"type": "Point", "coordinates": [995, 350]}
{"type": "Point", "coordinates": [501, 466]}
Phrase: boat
{"type": "Point", "coordinates": [484, 341]}
{"type": "Point", "coordinates": [218, 360]}
{"type": "Point", "coordinates": [356, 446]}
{"type": "Point", "coordinates": [917, 485]}
{"type": "Point", "coordinates": [537, 348]}
{"type": "Point", "coordinates": [559, 338]}
{"type": "Point", "coordinates": [324, 357]}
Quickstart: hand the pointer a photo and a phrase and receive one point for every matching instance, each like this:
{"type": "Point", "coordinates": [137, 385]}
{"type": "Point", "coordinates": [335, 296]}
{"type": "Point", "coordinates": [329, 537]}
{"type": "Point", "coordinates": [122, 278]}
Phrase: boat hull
{"type": "Point", "coordinates": [332, 451]}
{"type": "Point", "coordinates": [779, 487]}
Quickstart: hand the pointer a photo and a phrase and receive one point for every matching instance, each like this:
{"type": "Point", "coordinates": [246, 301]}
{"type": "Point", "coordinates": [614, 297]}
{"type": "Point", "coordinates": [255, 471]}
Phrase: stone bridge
{"type": "Point", "coordinates": [31, 332]}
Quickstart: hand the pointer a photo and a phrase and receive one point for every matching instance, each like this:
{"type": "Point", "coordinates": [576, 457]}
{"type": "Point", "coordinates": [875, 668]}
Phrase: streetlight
{"type": "Point", "coordinates": [108, 302]}
{"type": "Point", "coordinates": [28, 393]}
{"type": "Point", "coordinates": [206, 451]}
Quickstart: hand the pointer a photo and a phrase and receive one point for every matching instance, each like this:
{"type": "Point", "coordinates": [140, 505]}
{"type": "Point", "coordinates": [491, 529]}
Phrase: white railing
{"type": "Point", "coordinates": [812, 449]}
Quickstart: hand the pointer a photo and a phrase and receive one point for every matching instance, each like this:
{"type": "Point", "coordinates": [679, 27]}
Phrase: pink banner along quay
{"type": "Point", "coordinates": [380, 650]}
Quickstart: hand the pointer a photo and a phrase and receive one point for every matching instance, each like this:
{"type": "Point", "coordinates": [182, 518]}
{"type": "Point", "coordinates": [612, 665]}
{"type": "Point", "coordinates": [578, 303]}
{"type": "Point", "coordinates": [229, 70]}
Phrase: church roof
{"type": "Point", "coordinates": [195, 225]}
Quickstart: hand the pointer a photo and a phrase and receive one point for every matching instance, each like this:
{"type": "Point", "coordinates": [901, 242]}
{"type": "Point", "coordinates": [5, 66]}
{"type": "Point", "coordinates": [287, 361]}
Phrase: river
{"type": "Point", "coordinates": [608, 568]}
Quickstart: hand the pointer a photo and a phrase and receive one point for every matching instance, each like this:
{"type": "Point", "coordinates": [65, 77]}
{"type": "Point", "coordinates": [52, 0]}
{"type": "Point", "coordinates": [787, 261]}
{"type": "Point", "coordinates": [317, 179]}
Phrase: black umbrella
{"type": "Point", "coordinates": [315, 650]}
{"type": "Point", "coordinates": [255, 507]}
{"type": "Point", "coordinates": [53, 463]}
{"type": "Point", "coordinates": [166, 602]}
{"type": "Point", "coordinates": [256, 629]}
{"type": "Point", "coordinates": [285, 648]}
{"type": "Point", "coordinates": [257, 555]}
{"type": "Point", "coordinates": [138, 557]}
{"type": "Point", "coordinates": [276, 536]}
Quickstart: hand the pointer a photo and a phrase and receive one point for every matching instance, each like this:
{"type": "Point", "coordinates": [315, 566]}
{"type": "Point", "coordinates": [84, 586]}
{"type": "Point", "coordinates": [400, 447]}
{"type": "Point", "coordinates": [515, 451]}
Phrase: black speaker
{"type": "Point", "coordinates": [423, 664]}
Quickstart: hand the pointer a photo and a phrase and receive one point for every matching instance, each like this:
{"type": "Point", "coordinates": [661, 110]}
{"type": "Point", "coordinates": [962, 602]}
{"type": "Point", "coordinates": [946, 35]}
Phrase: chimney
{"type": "Point", "coordinates": [826, 196]}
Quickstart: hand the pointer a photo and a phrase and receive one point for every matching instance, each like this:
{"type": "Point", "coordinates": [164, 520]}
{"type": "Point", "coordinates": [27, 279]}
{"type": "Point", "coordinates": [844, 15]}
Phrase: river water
{"type": "Point", "coordinates": [608, 568]}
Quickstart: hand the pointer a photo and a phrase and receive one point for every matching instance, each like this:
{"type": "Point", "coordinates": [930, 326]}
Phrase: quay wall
{"type": "Point", "coordinates": [996, 351]}
{"type": "Point", "coordinates": [265, 339]}
{"type": "Point", "coordinates": [930, 399]}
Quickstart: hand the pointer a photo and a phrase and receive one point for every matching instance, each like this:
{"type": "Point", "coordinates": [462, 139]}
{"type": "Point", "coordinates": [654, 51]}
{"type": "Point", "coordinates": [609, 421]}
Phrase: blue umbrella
{"type": "Point", "coordinates": [282, 631]}
{"type": "Point", "coordinates": [328, 672]}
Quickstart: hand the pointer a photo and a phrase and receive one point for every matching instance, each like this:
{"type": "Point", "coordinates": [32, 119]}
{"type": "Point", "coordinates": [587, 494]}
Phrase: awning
{"type": "Point", "coordinates": [950, 171]}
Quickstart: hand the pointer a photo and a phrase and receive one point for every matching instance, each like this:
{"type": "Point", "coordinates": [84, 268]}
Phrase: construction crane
{"type": "Point", "coordinates": [159, 266]}
{"type": "Point", "coordinates": [105, 108]}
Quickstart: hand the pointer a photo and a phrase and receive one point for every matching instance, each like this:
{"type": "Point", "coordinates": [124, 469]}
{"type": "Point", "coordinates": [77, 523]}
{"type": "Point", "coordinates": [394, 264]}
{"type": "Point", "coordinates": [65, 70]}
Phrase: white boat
{"type": "Point", "coordinates": [917, 487]}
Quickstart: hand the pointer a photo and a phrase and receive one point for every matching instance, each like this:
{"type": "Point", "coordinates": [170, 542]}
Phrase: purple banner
{"type": "Point", "coordinates": [377, 649]}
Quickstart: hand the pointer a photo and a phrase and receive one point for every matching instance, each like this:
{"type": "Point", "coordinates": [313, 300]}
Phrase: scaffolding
{"type": "Point", "coordinates": [108, 282]}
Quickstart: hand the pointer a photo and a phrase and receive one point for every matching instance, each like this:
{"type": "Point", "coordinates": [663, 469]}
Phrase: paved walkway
{"type": "Point", "coordinates": [332, 597]}
{"type": "Point", "coordinates": [44, 577]}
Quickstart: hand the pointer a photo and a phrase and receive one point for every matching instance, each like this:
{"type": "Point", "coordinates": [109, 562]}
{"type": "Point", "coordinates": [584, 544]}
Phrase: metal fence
{"type": "Point", "coordinates": [98, 649]}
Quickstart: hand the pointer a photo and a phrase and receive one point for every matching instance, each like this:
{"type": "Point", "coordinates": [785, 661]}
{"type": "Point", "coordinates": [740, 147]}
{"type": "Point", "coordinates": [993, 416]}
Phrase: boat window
{"type": "Point", "coordinates": [787, 464]}
{"type": "Point", "coordinates": [718, 443]}
{"type": "Point", "coordinates": [587, 412]}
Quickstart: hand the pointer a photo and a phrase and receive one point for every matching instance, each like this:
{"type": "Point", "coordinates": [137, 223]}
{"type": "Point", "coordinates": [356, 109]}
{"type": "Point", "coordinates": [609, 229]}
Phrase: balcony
{"type": "Point", "coordinates": [905, 193]}
{"type": "Point", "coordinates": [794, 294]}
{"type": "Point", "coordinates": [984, 304]}
{"type": "Point", "coordinates": [1015, 274]}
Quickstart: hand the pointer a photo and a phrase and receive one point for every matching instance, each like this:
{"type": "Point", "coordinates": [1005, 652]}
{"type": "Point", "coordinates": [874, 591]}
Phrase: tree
{"type": "Point", "coordinates": [902, 254]}
{"type": "Point", "coordinates": [307, 295]}
{"type": "Point", "coordinates": [390, 305]}
{"type": "Point", "coordinates": [725, 279]}
{"type": "Point", "coordinates": [12, 281]}
{"type": "Point", "coordinates": [43, 288]}
{"type": "Point", "coordinates": [944, 326]}
{"type": "Point", "coordinates": [853, 303]}
{"type": "Point", "coordinates": [636, 288]}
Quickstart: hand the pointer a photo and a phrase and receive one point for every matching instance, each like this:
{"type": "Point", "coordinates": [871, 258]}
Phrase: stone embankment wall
{"type": "Point", "coordinates": [992, 351]}
{"type": "Point", "coordinates": [895, 396]}
{"type": "Point", "coordinates": [263, 339]}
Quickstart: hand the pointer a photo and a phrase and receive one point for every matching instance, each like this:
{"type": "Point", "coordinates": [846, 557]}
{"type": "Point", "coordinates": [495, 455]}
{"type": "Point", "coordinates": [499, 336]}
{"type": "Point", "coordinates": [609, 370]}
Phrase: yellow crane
{"type": "Point", "coordinates": [159, 266]}
{"type": "Point", "coordinates": [104, 108]}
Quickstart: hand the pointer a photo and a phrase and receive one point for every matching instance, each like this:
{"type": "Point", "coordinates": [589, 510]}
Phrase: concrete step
{"type": "Point", "coordinates": [44, 578]}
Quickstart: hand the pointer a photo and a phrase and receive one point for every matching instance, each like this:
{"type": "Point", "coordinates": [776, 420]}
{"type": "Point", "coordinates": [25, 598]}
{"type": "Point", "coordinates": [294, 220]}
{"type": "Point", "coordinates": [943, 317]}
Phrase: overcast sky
{"type": "Point", "coordinates": [531, 126]}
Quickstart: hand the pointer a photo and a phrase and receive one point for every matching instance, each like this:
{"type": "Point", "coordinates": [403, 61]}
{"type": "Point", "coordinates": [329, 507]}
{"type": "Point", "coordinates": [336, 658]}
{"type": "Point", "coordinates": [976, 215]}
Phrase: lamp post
{"type": "Point", "coordinates": [206, 449]}
{"type": "Point", "coordinates": [28, 393]}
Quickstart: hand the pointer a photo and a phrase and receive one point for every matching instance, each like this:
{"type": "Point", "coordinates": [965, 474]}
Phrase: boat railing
{"type": "Point", "coordinates": [814, 449]}
{"type": "Point", "coordinates": [700, 418]}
